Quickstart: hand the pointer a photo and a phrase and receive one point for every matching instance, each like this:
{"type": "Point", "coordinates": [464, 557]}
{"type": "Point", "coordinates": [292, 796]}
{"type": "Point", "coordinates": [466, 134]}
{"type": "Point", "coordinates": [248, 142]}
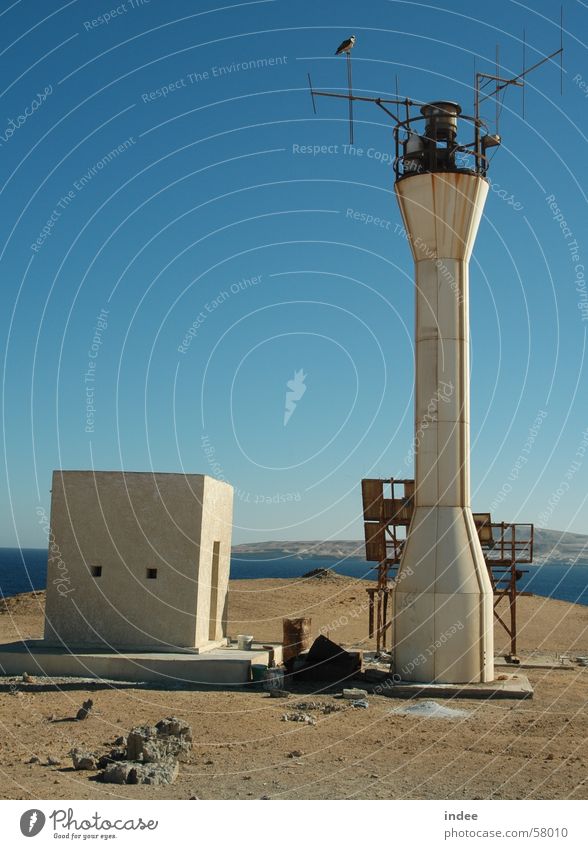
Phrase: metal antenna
{"type": "Point", "coordinates": [561, 49]}
{"type": "Point", "coordinates": [497, 77]}
{"type": "Point", "coordinates": [350, 88]}
{"type": "Point", "coordinates": [483, 79]}
{"type": "Point", "coordinates": [311, 94]}
{"type": "Point", "coordinates": [524, 63]}
{"type": "Point", "coordinates": [409, 150]}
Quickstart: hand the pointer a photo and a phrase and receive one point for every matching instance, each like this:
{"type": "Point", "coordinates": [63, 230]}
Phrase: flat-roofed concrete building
{"type": "Point", "coordinates": [138, 560]}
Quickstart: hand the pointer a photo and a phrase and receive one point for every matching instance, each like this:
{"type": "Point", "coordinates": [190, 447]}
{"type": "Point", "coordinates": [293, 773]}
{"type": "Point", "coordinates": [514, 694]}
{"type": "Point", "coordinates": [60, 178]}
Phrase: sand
{"type": "Point", "coordinates": [243, 749]}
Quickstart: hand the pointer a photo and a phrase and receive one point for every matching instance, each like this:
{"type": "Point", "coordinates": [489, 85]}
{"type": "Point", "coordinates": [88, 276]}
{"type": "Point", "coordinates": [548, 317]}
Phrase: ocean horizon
{"type": "Point", "coordinates": [25, 570]}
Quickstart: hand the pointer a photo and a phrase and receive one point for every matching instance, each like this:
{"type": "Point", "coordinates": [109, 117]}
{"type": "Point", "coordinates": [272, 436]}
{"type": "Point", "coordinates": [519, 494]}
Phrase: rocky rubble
{"type": "Point", "coordinates": [151, 755]}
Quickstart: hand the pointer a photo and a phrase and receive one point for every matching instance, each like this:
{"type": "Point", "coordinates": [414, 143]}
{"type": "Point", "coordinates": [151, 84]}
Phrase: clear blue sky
{"type": "Point", "coordinates": [189, 191]}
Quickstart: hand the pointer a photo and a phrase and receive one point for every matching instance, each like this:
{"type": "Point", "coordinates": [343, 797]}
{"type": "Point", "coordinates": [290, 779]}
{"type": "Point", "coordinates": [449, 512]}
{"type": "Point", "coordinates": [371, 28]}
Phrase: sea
{"type": "Point", "coordinates": [25, 569]}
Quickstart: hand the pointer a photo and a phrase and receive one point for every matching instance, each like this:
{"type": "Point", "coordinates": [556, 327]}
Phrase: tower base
{"type": "Point", "coordinates": [443, 601]}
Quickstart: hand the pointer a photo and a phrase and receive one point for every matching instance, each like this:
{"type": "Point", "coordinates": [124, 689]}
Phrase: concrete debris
{"type": "Point", "coordinates": [82, 759]}
{"type": "Point", "coordinates": [126, 772]}
{"type": "Point", "coordinates": [360, 703]}
{"type": "Point", "coordinates": [85, 709]}
{"type": "Point", "coordinates": [299, 717]}
{"type": "Point", "coordinates": [323, 707]}
{"type": "Point", "coordinates": [428, 709]}
{"type": "Point", "coordinates": [169, 738]}
{"type": "Point", "coordinates": [150, 756]}
{"type": "Point", "coordinates": [354, 693]}
{"type": "Point", "coordinates": [118, 753]}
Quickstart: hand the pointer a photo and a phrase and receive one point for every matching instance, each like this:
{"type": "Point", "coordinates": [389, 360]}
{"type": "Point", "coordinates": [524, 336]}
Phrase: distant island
{"type": "Point", "coordinates": [550, 547]}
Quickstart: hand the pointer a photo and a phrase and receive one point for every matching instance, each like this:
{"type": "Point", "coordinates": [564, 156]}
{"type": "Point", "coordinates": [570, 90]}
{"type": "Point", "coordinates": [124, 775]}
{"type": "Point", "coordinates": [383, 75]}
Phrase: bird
{"type": "Point", "coordinates": [345, 46]}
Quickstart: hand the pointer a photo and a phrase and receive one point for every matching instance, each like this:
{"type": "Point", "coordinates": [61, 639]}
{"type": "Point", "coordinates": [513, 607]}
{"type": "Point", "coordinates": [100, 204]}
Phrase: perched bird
{"type": "Point", "coordinates": [345, 46]}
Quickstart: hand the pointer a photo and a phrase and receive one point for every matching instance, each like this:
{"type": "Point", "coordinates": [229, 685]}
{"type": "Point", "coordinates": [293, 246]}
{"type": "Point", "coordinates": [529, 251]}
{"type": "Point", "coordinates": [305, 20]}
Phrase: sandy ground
{"type": "Point", "coordinates": [242, 748]}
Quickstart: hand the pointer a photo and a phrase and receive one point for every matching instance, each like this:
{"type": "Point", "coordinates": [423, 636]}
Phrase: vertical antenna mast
{"type": "Point", "coordinates": [561, 49]}
{"type": "Point", "coordinates": [524, 65]}
{"type": "Point", "coordinates": [497, 95]}
{"type": "Point", "coordinates": [350, 87]}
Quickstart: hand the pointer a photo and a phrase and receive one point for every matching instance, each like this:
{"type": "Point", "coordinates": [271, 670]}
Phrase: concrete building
{"type": "Point", "coordinates": [138, 561]}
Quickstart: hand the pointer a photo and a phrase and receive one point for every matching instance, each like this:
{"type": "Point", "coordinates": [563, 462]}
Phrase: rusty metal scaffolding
{"type": "Point", "coordinates": [388, 505]}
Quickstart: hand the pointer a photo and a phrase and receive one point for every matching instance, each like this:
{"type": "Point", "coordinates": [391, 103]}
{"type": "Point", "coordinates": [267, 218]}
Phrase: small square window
{"type": "Point", "coordinates": [152, 573]}
{"type": "Point", "coordinates": [96, 571]}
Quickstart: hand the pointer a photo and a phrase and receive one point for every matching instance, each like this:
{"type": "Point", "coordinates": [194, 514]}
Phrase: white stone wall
{"type": "Point", "coordinates": [127, 523]}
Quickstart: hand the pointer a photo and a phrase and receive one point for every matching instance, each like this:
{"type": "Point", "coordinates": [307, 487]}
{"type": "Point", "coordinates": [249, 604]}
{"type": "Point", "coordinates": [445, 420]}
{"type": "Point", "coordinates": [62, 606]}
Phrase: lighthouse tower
{"type": "Point", "coordinates": [443, 602]}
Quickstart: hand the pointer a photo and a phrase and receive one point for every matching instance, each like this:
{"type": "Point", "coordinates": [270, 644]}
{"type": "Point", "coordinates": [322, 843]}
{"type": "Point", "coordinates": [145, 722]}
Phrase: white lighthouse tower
{"type": "Point", "coordinates": [443, 602]}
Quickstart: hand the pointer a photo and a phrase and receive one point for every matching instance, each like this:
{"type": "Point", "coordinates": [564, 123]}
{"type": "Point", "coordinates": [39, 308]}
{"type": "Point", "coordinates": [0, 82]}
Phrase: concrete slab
{"type": "Point", "coordinates": [226, 666]}
{"type": "Point", "coordinates": [536, 661]}
{"type": "Point", "coordinates": [506, 686]}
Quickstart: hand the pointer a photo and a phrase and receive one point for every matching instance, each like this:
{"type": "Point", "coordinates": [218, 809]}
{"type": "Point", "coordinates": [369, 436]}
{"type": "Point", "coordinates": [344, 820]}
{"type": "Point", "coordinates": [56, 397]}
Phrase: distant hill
{"type": "Point", "coordinates": [550, 547]}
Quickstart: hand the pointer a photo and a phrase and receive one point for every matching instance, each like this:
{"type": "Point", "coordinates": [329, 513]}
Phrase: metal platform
{"type": "Point", "coordinates": [388, 506]}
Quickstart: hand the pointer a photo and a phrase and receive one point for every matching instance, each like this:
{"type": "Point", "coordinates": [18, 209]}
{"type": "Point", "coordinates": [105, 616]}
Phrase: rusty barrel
{"type": "Point", "coordinates": [297, 638]}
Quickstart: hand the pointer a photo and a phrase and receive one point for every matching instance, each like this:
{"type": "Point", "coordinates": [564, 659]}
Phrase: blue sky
{"type": "Point", "coordinates": [171, 258]}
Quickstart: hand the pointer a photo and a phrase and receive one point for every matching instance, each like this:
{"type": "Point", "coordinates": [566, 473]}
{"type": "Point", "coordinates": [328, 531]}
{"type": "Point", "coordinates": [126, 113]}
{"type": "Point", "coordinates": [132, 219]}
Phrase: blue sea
{"type": "Point", "coordinates": [23, 570]}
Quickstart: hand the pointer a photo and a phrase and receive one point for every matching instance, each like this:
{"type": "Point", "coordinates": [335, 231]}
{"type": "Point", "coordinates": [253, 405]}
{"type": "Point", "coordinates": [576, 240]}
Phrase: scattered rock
{"type": "Point", "coordinates": [328, 707]}
{"type": "Point", "coordinates": [27, 679]}
{"type": "Point", "coordinates": [150, 756]}
{"type": "Point", "coordinates": [85, 709]}
{"type": "Point", "coordinates": [299, 717]}
{"type": "Point", "coordinates": [354, 693]}
{"type": "Point", "coordinates": [279, 694]}
{"type": "Point", "coordinates": [34, 760]}
{"type": "Point", "coordinates": [549, 757]}
{"type": "Point", "coordinates": [118, 773]}
{"type": "Point", "coordinates": [169, 738]}
{"type": "Point", "coordinates": [360, 703]}
{"type": "Point", "coordinates": [51, 761]}
{"type": "Point", "coordinates": [295, 754]}
{"type": "Point", "coordinates": [119, 741]}
{"type": "Point", "coordinates": [117, 754]}
{"type": "Point", "coordinates": [126, 772]}
{"type": "Point", "coordinates": [83, 760]}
